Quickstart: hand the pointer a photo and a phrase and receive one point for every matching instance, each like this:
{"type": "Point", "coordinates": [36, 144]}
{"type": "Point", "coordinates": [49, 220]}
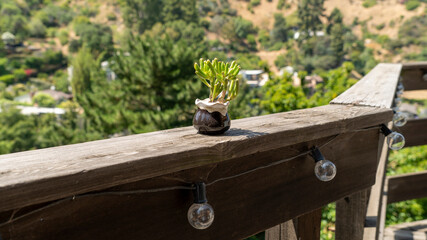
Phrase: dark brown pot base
{"type": "Point", "coordinates": [211, 123]}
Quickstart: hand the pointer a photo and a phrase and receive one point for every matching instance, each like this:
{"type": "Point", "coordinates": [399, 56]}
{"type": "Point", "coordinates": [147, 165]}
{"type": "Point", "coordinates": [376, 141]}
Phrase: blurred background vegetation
{"type": "Point", "coordinates": [117, 67]}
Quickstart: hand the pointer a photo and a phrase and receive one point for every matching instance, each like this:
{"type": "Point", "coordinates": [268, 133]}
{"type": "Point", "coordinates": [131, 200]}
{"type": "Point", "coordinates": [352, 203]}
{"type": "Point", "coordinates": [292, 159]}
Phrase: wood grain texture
{"type": "Point", "coordinates": [375, 208]}
{"type": "Point", "coordinates": [407, 231]}
{"type": "Point", "coordinates": [415, 132]}
{"type": "Point", "coordinates": [407, 186]}
{"type": "Point", "coordinates": [350, 216]}
{"type": "Point", "coordinates": [32, 177]}
{"type": "Point", "coordinates": [308, 225]}
{"type": "Point", "coordinates": [243, 206]}
{"type": "Point", "coordinates": [305, 227]}
{"type": "Point", "coordinates": [413, 75]}
{"type": "Point", "coordinates": [376, 89]}
{"type": "Point", "coordinates": [284, 231]}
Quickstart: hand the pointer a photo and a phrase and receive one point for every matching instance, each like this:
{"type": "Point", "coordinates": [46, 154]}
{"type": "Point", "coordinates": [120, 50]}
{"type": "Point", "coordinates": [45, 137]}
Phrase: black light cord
{"type": "Point", "coordinates": [155, 190]}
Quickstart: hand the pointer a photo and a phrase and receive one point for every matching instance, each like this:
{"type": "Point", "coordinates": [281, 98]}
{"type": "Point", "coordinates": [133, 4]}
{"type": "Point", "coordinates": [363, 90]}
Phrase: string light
{"type": "Point", "coordinates": [200, 214]}
{"type": "Point", "coordinates": [395, 140]}
{"type": "Point", "coordinates": [397, 102]}
{"type": "Point", "coordinates": [400, 87]}
{"type": "Point", "coordinates": [324, 169]}
{"type": "Point", "coordinates": [400, 119]}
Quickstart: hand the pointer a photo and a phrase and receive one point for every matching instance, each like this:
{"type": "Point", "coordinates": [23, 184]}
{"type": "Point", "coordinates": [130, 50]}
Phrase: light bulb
{"type": "Point", "coordinates": [400, 119]}
{"type": "Point", "coordinates": [200, 215]}
{"type": "Point", "coordinates": [399, 93]}
{"type": "Point", "coordinates": [400, 87]}
{"type": "Point", "coordinates": [325, 170]}
{"type": "Point", "coordinates": [397, 102]}
{"type": "Point", "coordinates": [395, 141]}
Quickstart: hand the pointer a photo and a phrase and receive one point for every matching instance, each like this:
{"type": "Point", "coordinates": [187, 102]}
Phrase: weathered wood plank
{"type": "Point", "coordinates": [415, 132]}
{"type": "Point", "coordinates": [376, 89]}
{"type": "Point", "coordinates": [413, 75]}
{"type": "Point", "coordinates": [407, 186]}
{"type": "Point", "coordinates": [244, 205]}
{"type": "Point", "coordinates": [38, 176]}
{"type": "Point", "coordinates": [284, 231]}
{"type": "Point", "coordinates": [308, 226]}
{"type": "Point", "coordinates": [374, 211]}
{"type": "Point", "coordinates": [407, 231]}
{"type": "Point", "coordinates": [305, 227]}
{"type": "Point", "coordinates": [350, 216]}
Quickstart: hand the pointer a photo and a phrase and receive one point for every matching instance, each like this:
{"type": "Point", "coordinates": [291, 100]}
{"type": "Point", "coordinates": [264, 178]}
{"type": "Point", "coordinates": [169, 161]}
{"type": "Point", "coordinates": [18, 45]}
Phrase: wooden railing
{"type": "Point", "coordinates": [259, 176]}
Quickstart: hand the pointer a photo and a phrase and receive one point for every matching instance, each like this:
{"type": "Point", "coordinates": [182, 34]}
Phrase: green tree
{"type": "Point", "coordinates": [333, 19]}
{"type": "Point", "coordinates": [180, 10]}
{"type": "Point", "coordinates": [98, 38]}
{"type": "Point", "coordinates": [280, 31]}
{"type": "Point", "coordinates": [309, 13]}
{"type": "Point", "coordinates": [141, 15]}
{"type": "Point", "coordinates": [337, 42]}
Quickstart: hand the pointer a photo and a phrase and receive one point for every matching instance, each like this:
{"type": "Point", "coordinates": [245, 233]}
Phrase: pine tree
{"type": "Point", "coordinates": [309, 13]}
{"type": "Point", "coordinates": [280, 31]}
{"type": "Point", "coordinates": [337, 42]}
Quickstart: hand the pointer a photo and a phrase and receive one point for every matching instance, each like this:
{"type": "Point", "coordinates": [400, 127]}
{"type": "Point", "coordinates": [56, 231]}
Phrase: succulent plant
{"type": "Point", "coordinates": [220, 77]}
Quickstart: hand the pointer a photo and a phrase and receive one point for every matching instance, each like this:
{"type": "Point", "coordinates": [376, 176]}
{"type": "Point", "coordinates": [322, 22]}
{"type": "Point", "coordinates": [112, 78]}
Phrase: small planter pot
{"type": "Point", "coordinates": [211, 123]}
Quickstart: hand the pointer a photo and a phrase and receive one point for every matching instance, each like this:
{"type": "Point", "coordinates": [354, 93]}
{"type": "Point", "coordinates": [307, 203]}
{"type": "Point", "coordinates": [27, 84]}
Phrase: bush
{"type": "Point", "coordinates": [412, 4]}
{"type": "Point", "coordinates": [74, 46]}
{"type": "Point", "coordinates": [369, 3]}
{"type": "Point", "coordinates": [280, 4]}
{"type": "Point", "coordinates": [254, 3]}
{"type": "Point", "coordinates": [33, 62]}
{"type": "Point", "coordinates": [37, 29]}
{"type": "Point", "coordinates": [44, 100]}
{"type": "Point", "coordinates": [63, 37]}
{"type": "Point", "coordinates": [19, 75]}
{"type": "Point", "coordinates": [111, 17]}
{"type": "Point", "coordinates": [380, 26]}
{"type": "Point", "coordinates": [7, 79]}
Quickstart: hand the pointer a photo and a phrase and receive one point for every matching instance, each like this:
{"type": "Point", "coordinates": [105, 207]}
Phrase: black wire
{"type": "Point", "coordinates": [154, 190]}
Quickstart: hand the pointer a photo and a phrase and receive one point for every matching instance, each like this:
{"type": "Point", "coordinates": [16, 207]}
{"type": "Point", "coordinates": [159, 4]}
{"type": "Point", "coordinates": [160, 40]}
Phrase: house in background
{"type": "Point", "coordinates": [310, 82]}
{"type": "Point", "coordinates": [58, 96]}
{"type": "Point", "coordinates": [255, 78]}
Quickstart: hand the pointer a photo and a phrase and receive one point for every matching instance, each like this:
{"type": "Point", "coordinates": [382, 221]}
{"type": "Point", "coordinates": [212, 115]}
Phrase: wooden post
{"type": "Point", "coordinates": [284, 231]}
{"type": "Point", "coordinates": [350, 216]}
{"type": "Point", "coordinates": [305, 227]}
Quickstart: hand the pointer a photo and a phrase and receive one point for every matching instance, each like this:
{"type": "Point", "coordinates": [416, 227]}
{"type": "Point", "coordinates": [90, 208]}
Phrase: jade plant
{"type": "Point", "coordinates": [220, 77]}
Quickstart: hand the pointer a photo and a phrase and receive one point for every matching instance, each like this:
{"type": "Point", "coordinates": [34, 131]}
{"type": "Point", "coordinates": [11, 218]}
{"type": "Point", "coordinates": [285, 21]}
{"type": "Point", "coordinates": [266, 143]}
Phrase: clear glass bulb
{"type": "Point", "coordinates": [399, 93]}
{"type": "Point", "coordinates": [325, 170]}
{"type": "Point", "coordinates": [200, 215]}
{"type": "Point", "coordinates": [397, 102]}
{"type": "Point", "coordinates": [400, 87]}
{"type": "Point", "coordinates": [395, 141]}
{"type": "Point", "coordinates": [400, 119]}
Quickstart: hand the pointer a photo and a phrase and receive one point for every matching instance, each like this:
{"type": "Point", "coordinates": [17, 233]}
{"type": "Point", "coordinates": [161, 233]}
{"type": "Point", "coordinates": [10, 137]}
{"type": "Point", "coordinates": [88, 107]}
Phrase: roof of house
{"type": "Point", "coordinates": [57, 95]}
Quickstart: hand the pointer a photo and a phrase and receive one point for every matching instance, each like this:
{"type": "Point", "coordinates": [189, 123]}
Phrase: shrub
{"type": "Point", "coordinates": [44, 100]}
{"type": "Point", "coordinates": [19, 75]}
{"type": "Point", "coordinates": [281, 4]}
{"type": "Point", "coordinates": [111, 17]}
{"type": "Point", "coordinates": [254, 3]}
{"type": "Point", "coordinates": [33, 62]}
{"type": "Point", "coordinates": [37, 29]}
{"type": "Point", "coordinates": [380, 26]}
{"type": "Point", "coordinates": [7, 79]}
{"type": "Point", "coordinates": [412, 4]}
{"type": "Point", "coordinates": [369, 3]}
{"type": "Point", "coordinates": [74, 46]}
{"type": "Point", "coordinates": [63, 37]}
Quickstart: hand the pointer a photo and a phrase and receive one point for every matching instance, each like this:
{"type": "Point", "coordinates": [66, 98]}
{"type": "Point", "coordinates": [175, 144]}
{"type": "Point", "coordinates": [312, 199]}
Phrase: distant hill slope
{"type": "Point", "coordinates": [390, 13]}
